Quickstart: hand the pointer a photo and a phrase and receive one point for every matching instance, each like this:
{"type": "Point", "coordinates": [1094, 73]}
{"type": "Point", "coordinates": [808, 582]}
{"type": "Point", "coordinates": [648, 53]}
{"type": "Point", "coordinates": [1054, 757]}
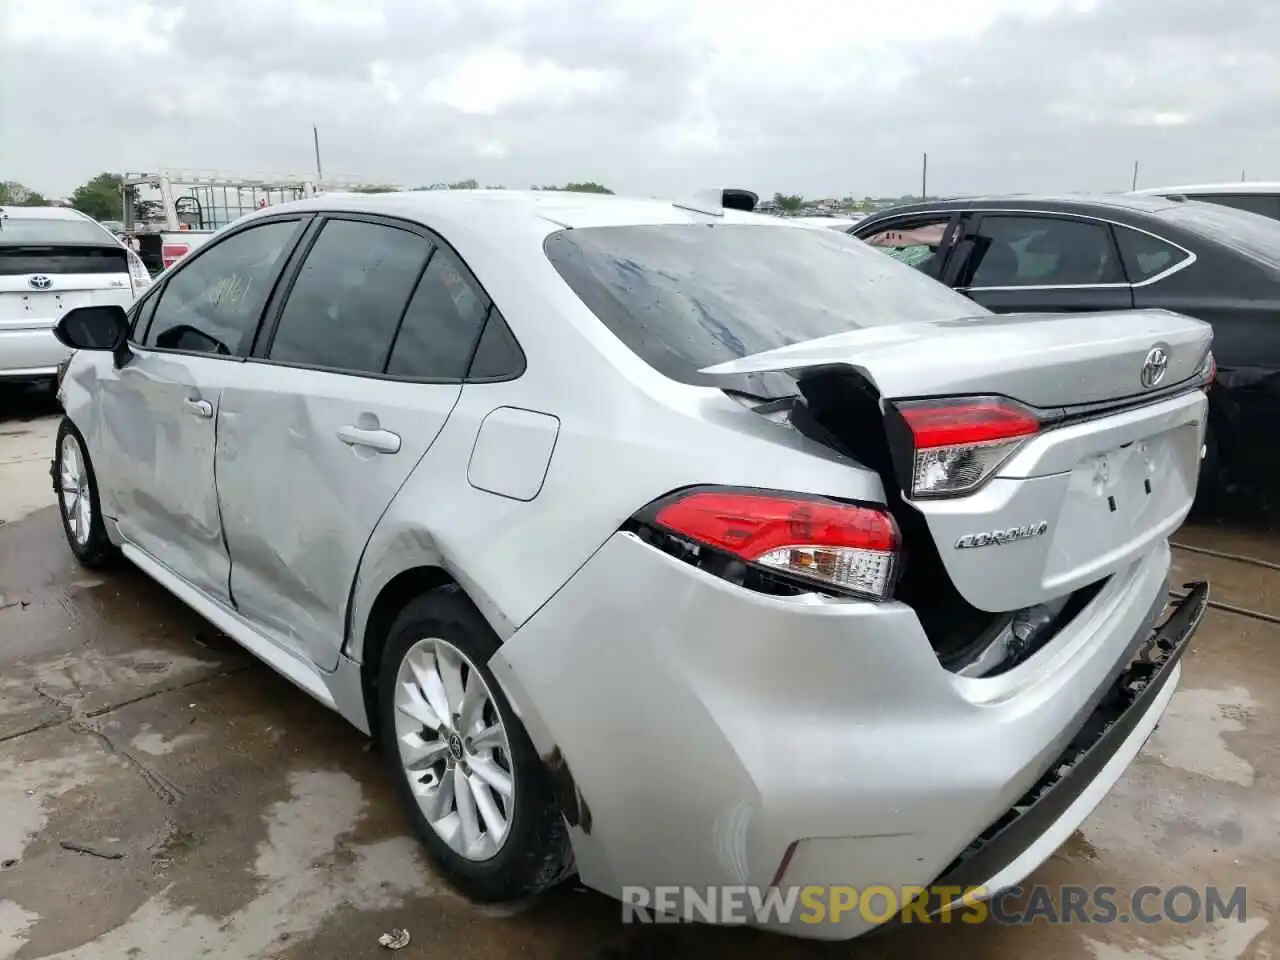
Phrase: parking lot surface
{"type": "Point", "coordinates": [163, 794]}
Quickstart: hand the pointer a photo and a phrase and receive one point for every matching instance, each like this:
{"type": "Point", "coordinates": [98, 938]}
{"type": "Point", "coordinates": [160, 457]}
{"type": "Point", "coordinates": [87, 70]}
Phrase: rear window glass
{"type": "Point", "coordinates": [17, 260]}
{"type": "Point", "coordinates": [687, 296]}
{"type": "Point", "coordinates": [14, 229]}
{"type": "Point", "coordinates": [1253, 236]}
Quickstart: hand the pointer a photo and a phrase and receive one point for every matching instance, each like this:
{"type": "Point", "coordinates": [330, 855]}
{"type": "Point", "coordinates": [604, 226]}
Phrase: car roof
{"type": "Point", "coordinates": [550, 209]}
{"type": "Point", "coordinates": [43, 213]}
{"type": "Point", "coordinates": [1215, 189]}
{"type": "Point", "coordinates": [1097, 204]}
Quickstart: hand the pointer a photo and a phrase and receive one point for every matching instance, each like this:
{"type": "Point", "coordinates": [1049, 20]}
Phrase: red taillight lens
{"type": "Point", "coordinates": [844, 546]}
{"type": "Point", "coordinates": [171, 253]}
{"type": "Point", "coordinates": [958, 444]}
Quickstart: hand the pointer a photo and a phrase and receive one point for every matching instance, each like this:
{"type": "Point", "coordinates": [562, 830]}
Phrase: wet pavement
{"type": "Point", "coordinates": [220, 812]}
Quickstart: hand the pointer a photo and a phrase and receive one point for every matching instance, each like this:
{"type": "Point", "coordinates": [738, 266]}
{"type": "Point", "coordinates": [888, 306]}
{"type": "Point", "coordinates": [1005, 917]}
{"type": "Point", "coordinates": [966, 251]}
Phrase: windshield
{"type": "Point", "coordinates": [687, 296]}
{"type": "Point", "coordinates": [1251, 234]}
{"type": "Point", "coordinates": [37, 230]}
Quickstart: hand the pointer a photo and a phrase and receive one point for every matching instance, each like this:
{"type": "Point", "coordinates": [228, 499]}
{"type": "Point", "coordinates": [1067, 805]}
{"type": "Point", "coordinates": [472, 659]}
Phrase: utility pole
{"type": "Point", "coordinates": [924, 176]}
{"type": "Point", "coordinates": [1135, 176]}
{"type": "Point", "coordinates": [1242, 176]}
{"type": "Point", "coordinates": [315, 136]}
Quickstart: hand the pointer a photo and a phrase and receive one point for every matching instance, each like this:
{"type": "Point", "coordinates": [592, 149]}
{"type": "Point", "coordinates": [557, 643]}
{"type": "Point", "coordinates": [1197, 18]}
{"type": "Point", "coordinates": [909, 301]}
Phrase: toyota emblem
{"type": "Point", "coordinates": [1154, 366]}
{"type": "Point", "coordinates": [39, 282]}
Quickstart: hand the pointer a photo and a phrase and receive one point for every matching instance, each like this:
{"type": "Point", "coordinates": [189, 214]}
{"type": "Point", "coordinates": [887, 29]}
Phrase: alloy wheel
{"type": "Point", "coordinates": [454, 748]}
{"type": "Point", "coordinates": [73, 487]}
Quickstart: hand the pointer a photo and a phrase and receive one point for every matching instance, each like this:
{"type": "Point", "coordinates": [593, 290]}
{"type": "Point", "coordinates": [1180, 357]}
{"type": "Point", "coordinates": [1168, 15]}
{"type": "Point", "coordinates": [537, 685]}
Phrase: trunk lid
{"type": "Point", "coordinates": [39, 283]}
{"type": "Point", "coordinates": [1045, 360]}
{"type": "Point", "coordinates": [1112, 472]}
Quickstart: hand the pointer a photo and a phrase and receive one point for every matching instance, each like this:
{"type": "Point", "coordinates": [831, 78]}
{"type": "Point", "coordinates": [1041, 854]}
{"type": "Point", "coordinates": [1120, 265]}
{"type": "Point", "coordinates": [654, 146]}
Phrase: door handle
{"type": "Point", "coordinates": [200, 408]}
{"type": "Point", "coordinates": [383, 441]}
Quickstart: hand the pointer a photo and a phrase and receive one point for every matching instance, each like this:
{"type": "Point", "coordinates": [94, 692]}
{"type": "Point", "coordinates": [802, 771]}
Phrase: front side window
{"type": "Point", "coordinates": [914, 243]}
{"type": "Point", "coordinates": [349, 296]}
{"type": "Point", "coordinates": [212, 304]}
{"type": "Point", "coordinates": [1014, 251]}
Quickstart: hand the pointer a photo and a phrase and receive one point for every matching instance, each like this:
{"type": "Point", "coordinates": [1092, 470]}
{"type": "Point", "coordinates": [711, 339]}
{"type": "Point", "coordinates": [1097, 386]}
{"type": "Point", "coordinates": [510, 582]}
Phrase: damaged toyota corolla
{"type": "Point", "coordinates": [666, 543]}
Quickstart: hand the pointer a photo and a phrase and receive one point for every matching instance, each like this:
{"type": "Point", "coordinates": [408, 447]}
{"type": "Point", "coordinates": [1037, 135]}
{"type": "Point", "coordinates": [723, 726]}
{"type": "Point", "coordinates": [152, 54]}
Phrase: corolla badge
{"type": "Point", "coordinates": [1154, 366]}
{"type": "Point", "coordinates": [39, 282]}
{"type": "Point", "coordinates": [997, 537]}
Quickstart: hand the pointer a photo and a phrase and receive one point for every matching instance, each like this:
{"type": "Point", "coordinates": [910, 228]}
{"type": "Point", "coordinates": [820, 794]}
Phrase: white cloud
{"type": "Point", "coordinates": [650, 96]}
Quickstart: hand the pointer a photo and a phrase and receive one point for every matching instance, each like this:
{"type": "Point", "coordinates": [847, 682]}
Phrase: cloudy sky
{"type": "Point", "coordinates": [820, 97]}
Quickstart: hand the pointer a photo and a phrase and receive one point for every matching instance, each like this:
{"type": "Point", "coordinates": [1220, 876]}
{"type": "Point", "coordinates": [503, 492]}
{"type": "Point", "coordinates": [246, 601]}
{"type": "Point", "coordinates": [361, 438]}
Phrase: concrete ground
{"type": "Point", "coordinates": [230, 816]}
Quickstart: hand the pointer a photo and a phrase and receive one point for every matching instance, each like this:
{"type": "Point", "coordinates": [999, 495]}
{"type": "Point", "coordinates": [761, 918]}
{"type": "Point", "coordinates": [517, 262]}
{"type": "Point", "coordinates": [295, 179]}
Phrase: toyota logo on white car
{"type": "Point", "coordinates": [39, 282]}
{"type": "Point", "coordinates": [1154, 366]}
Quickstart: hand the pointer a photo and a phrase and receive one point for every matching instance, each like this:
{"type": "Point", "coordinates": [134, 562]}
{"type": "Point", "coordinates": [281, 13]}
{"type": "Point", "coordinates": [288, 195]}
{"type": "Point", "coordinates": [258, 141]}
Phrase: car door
{"type": "Point", "coordinates": [922, 241]}
{"type": "Point", "coordinates": [1035, 262]}
{"type": "Point", "coordinates": [356, 377]}
{"type": "Point", "coordinates": [159, 409]}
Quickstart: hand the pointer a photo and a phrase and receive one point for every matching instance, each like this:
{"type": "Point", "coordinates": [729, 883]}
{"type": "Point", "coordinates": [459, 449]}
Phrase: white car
{"type": "Point", "coordinates": [53, 259]}
{"type": "Point", "coordinates": [1261, 197]}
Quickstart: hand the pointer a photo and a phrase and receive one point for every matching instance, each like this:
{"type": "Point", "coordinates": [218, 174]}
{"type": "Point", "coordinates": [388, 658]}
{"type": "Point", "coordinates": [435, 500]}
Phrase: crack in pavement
{"type": "Point", "coordinates": [80, 722]}
{"type": "Point", "coordinates": [71, 717]}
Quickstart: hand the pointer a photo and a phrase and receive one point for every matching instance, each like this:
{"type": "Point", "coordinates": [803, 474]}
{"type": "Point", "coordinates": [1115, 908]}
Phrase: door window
{"type": "Point", "coordinates": [212, 303]}
{"type": "Point", "coordinates": [441, 325]}
{"type": "Point", "coordinates": [915, 243]}
{"type": "Point", "coordinates": [350, 294]}
{"type": "Point", "coordinates": [1042, 252]}
{"type": "Point", "coordinates": [1145, 256]}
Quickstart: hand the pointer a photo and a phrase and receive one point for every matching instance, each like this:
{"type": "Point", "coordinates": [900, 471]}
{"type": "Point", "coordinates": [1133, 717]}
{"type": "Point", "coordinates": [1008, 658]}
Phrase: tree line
{"type": "Point", "coordinates": [101, 197]}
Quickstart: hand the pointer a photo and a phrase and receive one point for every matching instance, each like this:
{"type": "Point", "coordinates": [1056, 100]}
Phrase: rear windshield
{"type": "Point", "coordinates": [687, 296]}
{"type": "Point", "coordinates": [19, 259]}
{"type": "Point", "coordinates": [15, 229]}
{"type": "Point", "coordinates": [1251, 234]}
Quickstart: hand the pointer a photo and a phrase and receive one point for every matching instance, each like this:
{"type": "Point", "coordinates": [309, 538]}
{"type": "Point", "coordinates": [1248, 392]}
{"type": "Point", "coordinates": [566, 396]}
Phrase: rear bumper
{"type": "Point", "coordinates": [705, 736]}
{"type": "Point", "coordinates": [30, 354]}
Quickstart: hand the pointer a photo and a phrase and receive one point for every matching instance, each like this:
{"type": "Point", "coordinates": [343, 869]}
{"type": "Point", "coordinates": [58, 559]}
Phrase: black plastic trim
{"type": "Point", "coordinates": [1140, 683]}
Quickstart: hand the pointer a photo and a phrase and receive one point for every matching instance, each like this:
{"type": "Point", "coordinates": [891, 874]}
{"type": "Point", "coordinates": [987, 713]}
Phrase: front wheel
{"type": "Point", "coordinates": [478, 796]}
{"type": "Point", "coordinates": [79, 505]}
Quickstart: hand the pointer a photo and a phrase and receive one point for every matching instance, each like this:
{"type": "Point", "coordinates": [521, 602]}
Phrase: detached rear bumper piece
{"type": "Point", "coordinates": [707, 737]}
{"type": "Point", "coordinates": [1038, 824]}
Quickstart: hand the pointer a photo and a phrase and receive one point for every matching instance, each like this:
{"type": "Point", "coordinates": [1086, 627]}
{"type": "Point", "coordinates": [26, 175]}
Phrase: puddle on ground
{"type": "Point", "coordinates": [303, 873]}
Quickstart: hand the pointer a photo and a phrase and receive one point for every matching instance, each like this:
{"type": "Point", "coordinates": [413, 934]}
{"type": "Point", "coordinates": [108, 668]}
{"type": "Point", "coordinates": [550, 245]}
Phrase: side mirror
{"type": "Point", "coordinates": [103, 327]}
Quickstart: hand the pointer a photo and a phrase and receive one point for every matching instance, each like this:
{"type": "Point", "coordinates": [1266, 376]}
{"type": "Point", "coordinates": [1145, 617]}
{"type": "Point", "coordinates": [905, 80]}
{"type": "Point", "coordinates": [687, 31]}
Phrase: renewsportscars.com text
{"type": "Point", "coordinates": [1148, 904]}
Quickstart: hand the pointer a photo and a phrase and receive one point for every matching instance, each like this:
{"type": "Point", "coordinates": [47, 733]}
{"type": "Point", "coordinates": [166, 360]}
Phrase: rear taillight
{"type": "Point", "coordinates": [957, 444]}
{"type": "Point", "coordinates": [171, 253]}
{"type": "Point", "coordinates": [139, 276]}
{"type": "Point", "coordinates": [847, 548]}
{"type": "Point", "coordinates": [1208, 371]}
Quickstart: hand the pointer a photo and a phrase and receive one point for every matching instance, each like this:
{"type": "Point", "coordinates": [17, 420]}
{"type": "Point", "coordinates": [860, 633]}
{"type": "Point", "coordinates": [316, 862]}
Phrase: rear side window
{"type": "Point", "coordinates": [1042, 251]}
{"type": "Point", "coordinates": [212, 303]}
{"type": "Point", "coordinates": [349, 296]}
{"type": "Point", "coordinates": [686, 296]}
{"type": "Point", "coordinates": [498, 355]}
{"type": "Point", "coordinates": [1145, 256]}
{"type": "Point", "coordinates": [442, 323]}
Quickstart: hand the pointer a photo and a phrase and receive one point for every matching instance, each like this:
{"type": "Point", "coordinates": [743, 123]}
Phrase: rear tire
{"type": "Point", "coordinates": [76, 486]}
{"type": "Point", "coordinates": [494, 844]}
